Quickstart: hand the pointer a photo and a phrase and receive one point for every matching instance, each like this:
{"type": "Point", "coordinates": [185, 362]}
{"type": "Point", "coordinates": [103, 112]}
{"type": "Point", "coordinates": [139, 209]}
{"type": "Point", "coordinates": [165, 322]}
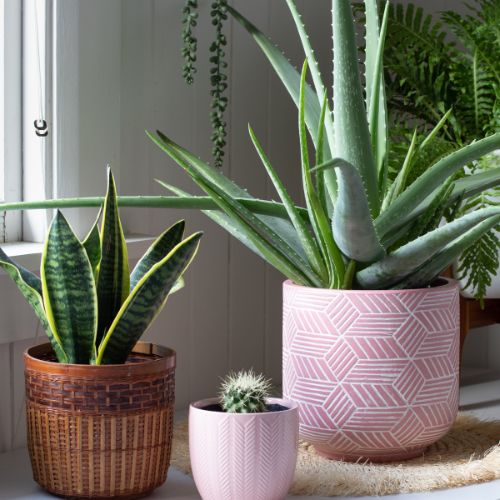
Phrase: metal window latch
{"type": "Point", "coordinates": [41, 128]}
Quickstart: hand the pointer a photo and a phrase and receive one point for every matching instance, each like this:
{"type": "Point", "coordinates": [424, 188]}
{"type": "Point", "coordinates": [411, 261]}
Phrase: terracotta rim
{"type": "Point", "coordinates": [287, 403]}
{"type": "Point", "coordinates": [166, 360]}
{"type": "Point", "coordinates": [450, 283]}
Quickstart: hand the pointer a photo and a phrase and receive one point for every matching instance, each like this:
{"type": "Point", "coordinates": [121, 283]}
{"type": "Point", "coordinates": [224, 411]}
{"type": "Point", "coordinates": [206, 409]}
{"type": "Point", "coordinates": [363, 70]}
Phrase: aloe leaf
{"type": "Point", "coordinates": [256, 205]}
{"type": "Point", "coordinates": [435, 131]}
{"type": "Point", "coordinates": [157, 251]}
{"type": "Point", "coordinates": [319, 86]}
{"type": "Point", "coordinates": [399, 183]}
{"type": "Point", "coordinates": [317, 216]}
{"type": "Point", "coordinates": [352, 137]}
{"type": "Point", "coordinates": [375, 87]}
{"type": "Point", "coordinates": [321, 189]}
{"type": "Point", "coordinates": [34, 299]}
{"type": "Point", "coordinates": [444, 258]}
{"type": "Point", "coordinates": [69, 292]}
{"type": "Point", "coordinates": [274, 249]}
{"type": "Point", "coordinates": [463, 188]}
{"type": "Point", "coordinates": [308, 243]}
{"type": "Point", "coordinates": [290, 77]}
{"type": "Point", "coordinates": [219, 217]}
{"type": "Point", "coordinates": [31, 279]}
{"type": "Point", "coordinates": [113, 283]}
{"type": "Point", "coordinates": [92, 245]}
{"type": "Point", "coordinates": [408, 258]}
{"type": "Point", "coordinates": [145, 302]}
{"type": "Point", "coordinates": [265, 227]}
{"type": "Point", "coordinates": [279, 225]}
{"type": "Point", "coordinates": [430, 180]}
{"type": "Point", "coordinates": [352, 224]}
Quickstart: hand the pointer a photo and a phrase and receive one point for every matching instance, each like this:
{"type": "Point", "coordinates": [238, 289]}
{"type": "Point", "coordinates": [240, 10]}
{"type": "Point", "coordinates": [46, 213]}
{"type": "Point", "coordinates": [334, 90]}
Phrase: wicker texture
{"type": "Point", "coordinates": [100, 432]}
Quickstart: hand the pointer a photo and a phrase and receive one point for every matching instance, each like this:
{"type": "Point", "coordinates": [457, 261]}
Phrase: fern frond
{"type": "Point", "coordinates": [479, 263]}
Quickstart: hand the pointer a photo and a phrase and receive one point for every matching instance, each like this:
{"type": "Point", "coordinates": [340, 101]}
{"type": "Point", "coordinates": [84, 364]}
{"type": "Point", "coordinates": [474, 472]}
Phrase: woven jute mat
{"type": "Point", "coordinates": [468, 454]}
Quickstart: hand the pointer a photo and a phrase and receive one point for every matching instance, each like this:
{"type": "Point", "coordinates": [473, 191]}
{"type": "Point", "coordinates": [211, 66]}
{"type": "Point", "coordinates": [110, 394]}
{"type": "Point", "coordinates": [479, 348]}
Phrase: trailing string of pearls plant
{"type": "Point", "coordinates": [218, 77]}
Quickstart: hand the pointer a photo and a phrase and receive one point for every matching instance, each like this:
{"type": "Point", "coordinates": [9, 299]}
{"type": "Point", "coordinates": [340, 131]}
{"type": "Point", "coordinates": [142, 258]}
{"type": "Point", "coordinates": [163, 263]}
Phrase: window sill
{"type": "Point", "coordinates": [28, 254]}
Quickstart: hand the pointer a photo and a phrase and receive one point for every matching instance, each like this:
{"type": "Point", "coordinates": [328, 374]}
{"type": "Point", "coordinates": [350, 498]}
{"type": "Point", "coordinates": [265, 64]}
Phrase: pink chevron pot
{"type": "Point", "coordinates": [243, 456]}
{"type": "Point", "coordinates": [375, 372]}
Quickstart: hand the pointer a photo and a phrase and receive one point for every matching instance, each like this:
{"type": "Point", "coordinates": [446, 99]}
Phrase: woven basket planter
{"type": "Point", "coordinates": [100, 431]}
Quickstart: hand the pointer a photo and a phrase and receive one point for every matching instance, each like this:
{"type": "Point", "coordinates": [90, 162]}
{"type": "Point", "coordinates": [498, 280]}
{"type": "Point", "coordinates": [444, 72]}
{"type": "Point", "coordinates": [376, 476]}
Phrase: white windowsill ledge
{"type": "Point", "coordinates": [28, 254]}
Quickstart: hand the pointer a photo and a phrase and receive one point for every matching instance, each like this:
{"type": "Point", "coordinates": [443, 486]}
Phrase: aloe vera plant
{"type": "Point", "coordinates": [91, 307]}
{"type": "Point", "coordinates": [354, 230]}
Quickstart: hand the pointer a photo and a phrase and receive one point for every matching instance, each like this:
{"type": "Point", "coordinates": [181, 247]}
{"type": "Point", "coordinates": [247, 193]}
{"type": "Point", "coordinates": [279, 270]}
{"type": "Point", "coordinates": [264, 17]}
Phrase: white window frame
{"type": "Point", "coordinates": [10, 116]}
{"type": "Point", "coordinates": [37, 105]}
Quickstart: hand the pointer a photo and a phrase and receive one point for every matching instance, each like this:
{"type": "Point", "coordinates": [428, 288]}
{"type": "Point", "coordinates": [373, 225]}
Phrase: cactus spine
{"type": "Point", "coordinates": [244, 392]}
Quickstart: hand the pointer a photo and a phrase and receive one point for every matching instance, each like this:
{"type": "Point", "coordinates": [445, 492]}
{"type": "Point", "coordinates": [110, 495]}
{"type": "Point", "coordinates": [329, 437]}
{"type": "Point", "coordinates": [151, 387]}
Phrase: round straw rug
{"type": "Point", "coordinates": [470, 453]}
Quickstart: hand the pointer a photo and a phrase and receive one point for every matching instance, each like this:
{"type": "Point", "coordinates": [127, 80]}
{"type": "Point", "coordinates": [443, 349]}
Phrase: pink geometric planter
{"type": "Point", "coordinates": [375, 372]}
{"type": "Point", "coordinates": [243, 456]}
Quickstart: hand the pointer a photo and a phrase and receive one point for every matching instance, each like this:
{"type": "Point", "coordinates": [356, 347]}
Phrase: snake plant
{"type": "Point", "coordinates": [91, 307]}
{"type": "Point", "coordinates": [355, 228]}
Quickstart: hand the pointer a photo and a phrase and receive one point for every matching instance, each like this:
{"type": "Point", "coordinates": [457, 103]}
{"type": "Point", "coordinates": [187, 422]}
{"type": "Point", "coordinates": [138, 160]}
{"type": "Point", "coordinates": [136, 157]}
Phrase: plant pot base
{"type": "Point", "coordinates": [389, 457]}
{"type": "Point", "coordinates": [136, 496]}
{"type": "Point", "coordinates": [100, 432]}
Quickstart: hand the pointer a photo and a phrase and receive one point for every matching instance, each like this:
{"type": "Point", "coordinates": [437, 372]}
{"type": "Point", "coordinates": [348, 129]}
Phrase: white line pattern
{"type": "Point", "coordinates": [375, 373]}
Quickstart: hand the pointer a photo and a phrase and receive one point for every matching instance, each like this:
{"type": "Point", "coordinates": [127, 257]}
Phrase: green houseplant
{"type": "Point", "coordinates": [94, 390]}
{"type": "Point", "coordinates": [246, 428]}
{"type": "Point", "coordinates": [429, 74]}
{"type": "Point", "coordinates": [362, 256]}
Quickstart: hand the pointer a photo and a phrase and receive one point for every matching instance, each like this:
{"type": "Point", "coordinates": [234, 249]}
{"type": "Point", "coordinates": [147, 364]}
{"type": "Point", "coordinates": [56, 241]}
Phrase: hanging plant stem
{"type": "Point", "coordinates": [190, 43]}
{"type": "Point", "coordinates": [218, 80]}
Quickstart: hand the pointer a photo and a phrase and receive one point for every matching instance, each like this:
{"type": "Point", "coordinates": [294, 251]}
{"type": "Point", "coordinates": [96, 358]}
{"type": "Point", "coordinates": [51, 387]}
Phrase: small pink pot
{"type": "Point", "coordinates": [375, 372]}
{"type": "Point", "coordinates": [243, 456]}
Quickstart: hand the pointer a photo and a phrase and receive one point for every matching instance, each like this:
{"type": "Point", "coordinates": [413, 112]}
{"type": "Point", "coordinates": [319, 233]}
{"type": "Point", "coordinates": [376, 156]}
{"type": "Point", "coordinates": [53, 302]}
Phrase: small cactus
{"type": "Point", "coordinates": [244, 392]}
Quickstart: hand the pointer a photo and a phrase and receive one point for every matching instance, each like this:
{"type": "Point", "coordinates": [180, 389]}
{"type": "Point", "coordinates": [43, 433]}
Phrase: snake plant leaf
{"type": "Point", "coordinates": [145, 302]}
{"type": "Point", "coordinates": [352, 223]}
{"type": "Point", "coordinates": [375, 87]}
{"type": "Point", "coordinates": [266, 228]}
{"type": "Point", "coordinates": [113, 283]}
{"type": "Point", "coordinates": [69, 292]}
{"type": "Point", "coordinates": [290, 77]}
{"type": "Point", "coordinates": [308, 242]}
{"type": "Point", "coordinates": [34, 299]}
{"type": "Point", "coordinates": [157, 251]}
{"type": "Point", "coordinates": [430, 270]}
{"type": "Point", "coordinates": [408, 258]}
{"type": "Point", "coordinates": [92, 245]}
{"type": "Point", "coordinates": [31, 279]}
{"type": "Point", "coordinates": [430, 180]}
{"type": "Point", "coordinates": [352, 136]}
